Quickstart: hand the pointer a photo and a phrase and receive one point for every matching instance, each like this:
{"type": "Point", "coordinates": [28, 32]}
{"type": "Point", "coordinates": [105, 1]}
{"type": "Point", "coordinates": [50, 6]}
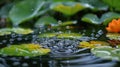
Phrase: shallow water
{"type": "Point", "coordinates": [64, 52]}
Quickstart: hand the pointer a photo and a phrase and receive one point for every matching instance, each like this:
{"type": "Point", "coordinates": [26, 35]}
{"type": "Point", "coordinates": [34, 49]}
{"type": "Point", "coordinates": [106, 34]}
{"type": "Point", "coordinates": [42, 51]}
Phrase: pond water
{"type": "Point", "coordinates": [64, 52]}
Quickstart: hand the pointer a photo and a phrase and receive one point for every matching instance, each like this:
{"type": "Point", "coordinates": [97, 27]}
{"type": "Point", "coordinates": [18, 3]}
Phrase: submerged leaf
{"type": "Point", "coordinates": [30, 50]}
{"type": "Point", "coordinates": [68, 8]}
{"type": "Point", "coordinates": [62, 35]}
{"type": "Point", "coordinates": [107, 52]}
{"type": "Point", "coordinates": [25, 10]}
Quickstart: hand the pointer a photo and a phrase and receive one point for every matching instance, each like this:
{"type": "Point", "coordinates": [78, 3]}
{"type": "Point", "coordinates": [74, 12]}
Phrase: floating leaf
{"type": "Point", "coordinates": [46, 20]}
{"type": "Point", "coordinates": [68, 8]}
{"type": "Point", "coordinates": [4, 11]}
{"type": "Point", "coordinates": [108, 17]}
{"type": "Point", "coordinates": [66, 23]}
{"type": "Point", "coordinates": [7, 31]}
{"type": "Point", "coordinates": [97, 4]}
{"type": "Point", "coordinates": [22, 31]}
{"type": "Point", "coordinates": [30, 50]}
{"type": "Point", "coordinates": [113, 3]}
{"type": "Point", "coordinates": [105, 18]}
{"type": "Point", "coordinates": [107, 52]}
{"type": "Point", "coordinates": [25, 10]}
{"type": "Point", "coordinates": [91, 18]}
{"type": "Point", "coordinates": [62, 35]}
{"type": "Point", "coordinates": [113, 36]}
{"type": "Point", "coordinates": [92, 44]}
{"type": "Point", "coordinates": [61, 0]}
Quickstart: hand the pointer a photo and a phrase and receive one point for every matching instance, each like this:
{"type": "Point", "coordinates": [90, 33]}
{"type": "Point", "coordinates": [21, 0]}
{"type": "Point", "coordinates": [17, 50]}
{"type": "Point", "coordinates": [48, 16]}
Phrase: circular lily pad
{"type": "Point", "coordinates": [7, 31]}
{"type": "Point", "coordinates": [107, 52]}
{"type": "Point", "coordinates": [62, 35]}
{"type": "Point", "coordinates": [115, 36]}
{"type": "Point", "coordinates": [22, 31]}
{"type": "Point", "coordinates": [92, 44]}
{"type": "Point", "coordinates": [30, 50]}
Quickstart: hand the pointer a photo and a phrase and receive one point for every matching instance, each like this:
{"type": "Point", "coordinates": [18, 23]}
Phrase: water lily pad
{"type": "Point", "coordinates": [108, 17]}
{"type": "Point", "coordinates": [22, 31]}
{"type": "Point", "coordinates": [107, 52]}
{"type": "Point", "coordinates": [46, 20]}
{"type": "Point", "coordinates": [105, 18]}
{"type": "Point", "coordinates": [115, 36]}
{"type": "Point", "coordinates": [68, 8]}
{"type": "Point", "coordinates": [25, 10]}
{"type": "Point", "coordinates": [62, 35]}
{"type": "Point", "coordinates": [91, 18]}
{"type": "Point", "coordinates": [92, 44]}
{"type": "Point", "coordinates": [30, 50]}
{"type": "Point", "coordinates": [113, 3]}
{"type": "Point", "coordinates": [97, 4]}
{"type": "Point", "coordinates": [7, 31]}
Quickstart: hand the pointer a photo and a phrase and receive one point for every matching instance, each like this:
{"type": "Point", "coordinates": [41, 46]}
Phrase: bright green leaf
{"type": "Point", "coordinates": [68, 8]}
{"type": "Point", "coordinates": [30, 50]}
{"type": "Point", "coordinates": [113, 3]}
{"type": "Point", "coordinates": [25, 10]}
{"type": "Point", "coordinates": [7, 31]}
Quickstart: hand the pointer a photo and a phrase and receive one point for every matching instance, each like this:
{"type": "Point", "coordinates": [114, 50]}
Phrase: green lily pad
{"type": "Point", "coordinates": [4, 11]}
{"type": "Point", "coordinates": [107, 52]}
{"type": "Point", "coordinates": [91, 18]}
{"type": "Point", "coordinates": [46, 20]}
{"type": "Point", "coordinates": [30, 50]}
{"type": "Point", "coordinates": [21, 30]}
{"type": "Point", "coordinates": [62, 35]}
{"type": "Point", "coordinates": [66, 23]}
{"type": "Point", "coordinates": [113, 3]}
{"type": "Point", "coordinates": [7, 31]}
{"type": "Point", "coordinates": [97, 4]}
{"type": "Point", "coordinates": [25, 10]}
{"type": "Point", "coordinates": [105, 18]}
{"type": "Point", "coordinates": [61, 0]}
{"type": "Point", "coordinates": [68, 8]}
{"type": "Point", "coordinates": [113, 36]}
{"type": "Point", "coordinates": [92, 44]}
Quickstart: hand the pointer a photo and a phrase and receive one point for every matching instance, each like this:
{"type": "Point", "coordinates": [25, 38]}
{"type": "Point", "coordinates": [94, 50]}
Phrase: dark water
{"type": "Point", "coordinates": [64, 52]}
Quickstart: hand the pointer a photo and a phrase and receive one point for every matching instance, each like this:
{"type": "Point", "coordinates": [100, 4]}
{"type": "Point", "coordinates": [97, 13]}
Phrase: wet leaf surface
{"type": "Point", "coordinates": [7, 31]}
{"type": "Point", "coordinates": [62, 35]}
{"type": "Point", "coordinates": [30, 50]}
{"type": "Point", "coordinates": [30, 10]}
{"type": "Point", "coordinates": [68, 8]}
{"type": "Point", "coordinates": [107, 52]}
{"type": "Point", "coordinates": [92, 44]}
